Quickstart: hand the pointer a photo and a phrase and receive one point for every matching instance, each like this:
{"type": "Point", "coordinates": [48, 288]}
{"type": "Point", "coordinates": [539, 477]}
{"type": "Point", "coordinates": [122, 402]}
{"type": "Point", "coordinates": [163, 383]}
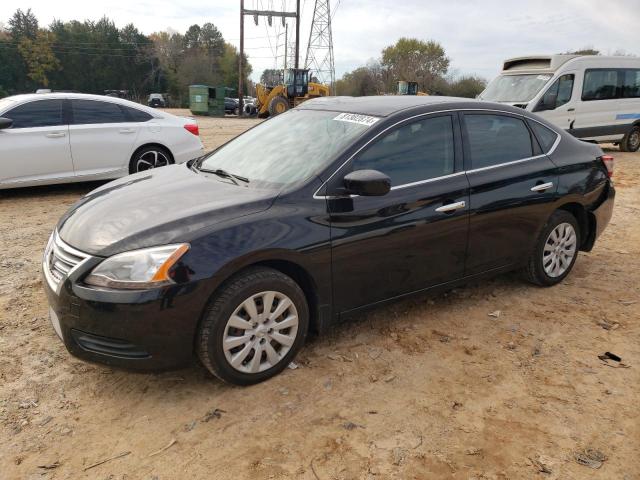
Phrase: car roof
{"type": "Point", "coordinates": [28, 97]}
{"type": "Point", "coordinates": [387, 105]}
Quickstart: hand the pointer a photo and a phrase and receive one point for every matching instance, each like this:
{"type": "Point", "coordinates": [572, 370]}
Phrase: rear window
{"type": "Point", "coordinates": [546, 137]}
{"type": "Point", "coordinates": [496, 139]}
{"type": "Point", "coordinates": [135, 115]}
{"type": "Point", "coordinates": [41, 113]}
{"type": "Point", "coordinates": [86, 112]}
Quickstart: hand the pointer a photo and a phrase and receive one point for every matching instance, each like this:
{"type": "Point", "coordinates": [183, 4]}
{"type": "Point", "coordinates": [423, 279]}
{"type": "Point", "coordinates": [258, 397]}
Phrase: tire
{"type": "Point", "coordinates": [278, 105]}
{"type": "Point", "coordinates": [150, 157]}
{"type": "Point", "coordinates": [227, 320]}
{"type": "Point", "coordinates": [631, 141]}
{"type": "Point", "coordinates": [553, 258]}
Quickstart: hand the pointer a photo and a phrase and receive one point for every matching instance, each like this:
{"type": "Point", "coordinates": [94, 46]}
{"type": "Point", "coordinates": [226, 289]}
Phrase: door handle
{"type": "Point", "coordinates": [451, 207]}
{"type": "Point", "coordinates": [571, 109]}
{"type": "Point", "coordinates": [55, 135]}
{"type": "Point", "coordinates": [127, 130]}
{"type": "Point", "coordinates": [542, 187]}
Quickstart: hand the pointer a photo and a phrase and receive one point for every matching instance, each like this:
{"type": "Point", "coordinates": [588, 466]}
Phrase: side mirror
{"type": "Point", "coordinates": [548, 102]}
{"type": "Point", "coordinates": [5, 123]}
{"type": "Point", "coordinates": [367, 183]}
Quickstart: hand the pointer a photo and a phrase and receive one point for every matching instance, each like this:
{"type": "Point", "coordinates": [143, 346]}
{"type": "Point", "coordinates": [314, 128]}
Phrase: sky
{"type": "Point", "coordinates": [477, 35]}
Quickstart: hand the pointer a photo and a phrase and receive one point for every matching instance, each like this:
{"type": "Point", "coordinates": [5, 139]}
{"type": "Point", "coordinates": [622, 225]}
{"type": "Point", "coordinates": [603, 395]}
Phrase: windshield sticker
{"type": "Point", "coordinates": [356, 118]}
{"type": "Point", "coordinates": [544, 77]}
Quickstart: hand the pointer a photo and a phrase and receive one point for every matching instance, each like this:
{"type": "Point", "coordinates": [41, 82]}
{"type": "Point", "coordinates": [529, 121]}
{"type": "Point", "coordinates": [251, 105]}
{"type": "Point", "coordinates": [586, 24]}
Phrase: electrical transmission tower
{"type": "Point", "coordinates": [320, 49]}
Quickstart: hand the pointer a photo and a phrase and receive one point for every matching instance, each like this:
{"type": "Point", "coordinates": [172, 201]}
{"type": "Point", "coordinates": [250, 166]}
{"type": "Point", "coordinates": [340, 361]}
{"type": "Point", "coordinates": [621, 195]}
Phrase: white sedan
{"type": "Point", "coordinates": [69, 137]}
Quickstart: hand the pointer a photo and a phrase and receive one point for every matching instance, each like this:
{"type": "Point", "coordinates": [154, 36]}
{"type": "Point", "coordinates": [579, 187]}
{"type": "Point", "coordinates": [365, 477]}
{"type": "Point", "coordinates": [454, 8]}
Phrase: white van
{"type": "Point", "coordinates": [594, 97]}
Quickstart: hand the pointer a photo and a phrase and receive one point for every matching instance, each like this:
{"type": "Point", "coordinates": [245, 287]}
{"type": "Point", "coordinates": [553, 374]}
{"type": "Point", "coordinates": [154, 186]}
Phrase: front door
{"type": "Point", "coordinates": [36, 147]}
{"type": "Point", "coordinates": [559, 102]}
{"type": "Point", "coordinates": [513, 187]}
{"type": "Point", "coordinates": [413, 237]}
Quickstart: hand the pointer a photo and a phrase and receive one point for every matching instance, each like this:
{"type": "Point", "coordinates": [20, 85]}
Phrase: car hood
{"type": "Point", "coordinates": [157, 207]}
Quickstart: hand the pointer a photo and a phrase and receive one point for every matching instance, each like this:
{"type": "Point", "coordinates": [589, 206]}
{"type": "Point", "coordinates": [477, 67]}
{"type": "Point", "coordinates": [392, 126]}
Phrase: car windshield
{"type": "Point", "coordinates": [514, 88]}
{"type": "Point", "coordinates": [288, 148]}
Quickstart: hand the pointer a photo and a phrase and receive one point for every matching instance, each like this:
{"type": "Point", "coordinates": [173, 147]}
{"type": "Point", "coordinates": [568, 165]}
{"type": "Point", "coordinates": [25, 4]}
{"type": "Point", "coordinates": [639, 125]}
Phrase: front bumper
{"type": "Point", "coordinates": [141, 330]}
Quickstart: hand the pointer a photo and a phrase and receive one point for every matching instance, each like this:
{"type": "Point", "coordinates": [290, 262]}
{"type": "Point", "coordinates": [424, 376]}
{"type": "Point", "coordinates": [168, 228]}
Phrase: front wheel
{"type": "Point", "coordinates": [631, 141]}
{"type": "Point", "coordinates": [556, 250]}
{"type": "Point", "coordinates": [253, 327]}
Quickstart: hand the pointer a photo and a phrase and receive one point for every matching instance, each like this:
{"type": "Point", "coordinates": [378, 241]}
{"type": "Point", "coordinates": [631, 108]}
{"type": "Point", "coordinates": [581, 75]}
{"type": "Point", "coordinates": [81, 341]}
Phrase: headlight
{"type": "Point", "coordinates": [138, 269]}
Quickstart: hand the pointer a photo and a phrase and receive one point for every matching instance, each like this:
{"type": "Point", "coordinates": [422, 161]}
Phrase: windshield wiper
{"type": "Point", "coordinates": [223, 173]}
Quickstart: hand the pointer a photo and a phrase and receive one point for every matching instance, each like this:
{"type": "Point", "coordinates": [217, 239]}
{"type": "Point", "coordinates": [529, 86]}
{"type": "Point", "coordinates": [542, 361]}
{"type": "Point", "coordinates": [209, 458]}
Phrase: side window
{"type": "Point", "coordinates": [496, 139]}
{"type": "Point", "coordinates": [558, 94]}
{"type": "Point", "coordinates": [135, 115]}
{"type": "Point", "coordinates": [413, 152]}
{"type": "Point", "coordinates": [41, 113]}
{"type": "Point", "coordinates": [545, 136]}
{"type": "Point", "coordinates": [600, 84]}
{"type": "Point", "coordinates": [631, 84]}
{"type": "Point", "coordinates": [86, 112]}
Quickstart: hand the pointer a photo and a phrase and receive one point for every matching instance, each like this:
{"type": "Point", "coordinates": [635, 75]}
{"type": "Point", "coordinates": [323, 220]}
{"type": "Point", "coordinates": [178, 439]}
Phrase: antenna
{"type": "Point", "coordinates": [320, 49]}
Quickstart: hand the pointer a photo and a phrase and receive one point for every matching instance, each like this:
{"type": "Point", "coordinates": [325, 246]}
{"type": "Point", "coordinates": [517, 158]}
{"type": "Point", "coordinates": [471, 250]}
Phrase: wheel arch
{"type": "Point", "coordinates": [286, 266]}
{"type": "Point", "coordinates": [150, 144]}
{"type": "Point", "coordinates": [586, 222]}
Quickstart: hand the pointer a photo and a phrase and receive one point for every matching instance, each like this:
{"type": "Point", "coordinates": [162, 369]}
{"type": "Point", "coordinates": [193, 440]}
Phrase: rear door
{"type": "Point", "coordinates": [102, 137]}
{"type": "Point", "coordinates": [413, 237]}
{"type": "Point", "coordinates": [36, 147]}
{"type": "Point", "coordinates": [512, 189]}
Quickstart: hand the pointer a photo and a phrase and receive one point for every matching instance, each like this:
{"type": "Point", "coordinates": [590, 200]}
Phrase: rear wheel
{"type": "Point", "coordinates": [278, 105]}
{"type": "Point", "coordinates": [148, 158]}
{"type": "Point", "coordinates": [556, 250]}
{"type": "Point", "coordinates": [253, 327]}
{"type": "Point", "coordinates": [631, 141]}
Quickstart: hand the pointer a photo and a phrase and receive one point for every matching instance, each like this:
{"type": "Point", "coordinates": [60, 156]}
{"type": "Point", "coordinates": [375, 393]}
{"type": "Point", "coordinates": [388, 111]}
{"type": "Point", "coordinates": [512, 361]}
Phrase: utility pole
{"type": "Point", "coordinates": [240, 63]}
{"type": "Point", "coordinates": [297, 33]}
{"type": "Point", "coordinates": [269, 14]}
{"type": "Point", "coordinates": [286, 45]}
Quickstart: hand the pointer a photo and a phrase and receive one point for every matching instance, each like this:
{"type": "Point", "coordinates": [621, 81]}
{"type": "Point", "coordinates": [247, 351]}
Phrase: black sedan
{"type": "Point", "coordinates": [335, 206]}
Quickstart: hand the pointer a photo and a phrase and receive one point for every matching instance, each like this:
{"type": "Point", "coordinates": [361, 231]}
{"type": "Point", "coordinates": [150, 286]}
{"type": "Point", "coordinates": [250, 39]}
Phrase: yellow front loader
{"type": "Point", "coordinates": [296, 89]}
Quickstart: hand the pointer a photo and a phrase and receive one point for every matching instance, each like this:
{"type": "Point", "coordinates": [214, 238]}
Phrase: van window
{"type": "Point", "coordinates": [631, 84]}
{"type": "Point", "coordinates": [558, 94]}
{"type": "Point", "coordinates": [496, 139]}
{"type": "Point", "coordinates": [610, 83]}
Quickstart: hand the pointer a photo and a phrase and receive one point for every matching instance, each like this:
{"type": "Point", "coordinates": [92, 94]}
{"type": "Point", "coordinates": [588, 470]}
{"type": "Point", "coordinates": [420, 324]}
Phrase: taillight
{"type": "Point", "coordinates": [608, 162]}
{"type": "Point", "coordinates": [193, 128]}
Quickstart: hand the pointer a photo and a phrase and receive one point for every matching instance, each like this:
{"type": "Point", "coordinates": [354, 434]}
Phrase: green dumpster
{"type": "Point", "coordinates": [207, 100]}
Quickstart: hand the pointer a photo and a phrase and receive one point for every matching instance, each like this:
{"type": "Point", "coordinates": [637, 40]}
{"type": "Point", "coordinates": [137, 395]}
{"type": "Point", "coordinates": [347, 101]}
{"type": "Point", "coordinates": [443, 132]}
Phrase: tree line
{"type": "Point", "coordinates": [95, 56]}
{"type": "Point", "coordinates": [414, 60]}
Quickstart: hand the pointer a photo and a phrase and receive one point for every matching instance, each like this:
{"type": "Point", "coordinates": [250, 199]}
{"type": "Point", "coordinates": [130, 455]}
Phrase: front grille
{"type": "Point", "coordinates": [60, 260]}
{"type": "Point", "coordinates": [108, 346]}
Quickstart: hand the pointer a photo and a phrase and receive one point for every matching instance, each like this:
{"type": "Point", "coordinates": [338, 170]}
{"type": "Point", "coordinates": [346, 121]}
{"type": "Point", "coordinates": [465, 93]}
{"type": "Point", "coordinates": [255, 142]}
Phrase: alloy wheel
{"type": "Point", "coordinates": [260, 332]}
{"type": "Point", "coordinates": [559, 250]}
{"type": "Point", "coordinates": [151, 159]}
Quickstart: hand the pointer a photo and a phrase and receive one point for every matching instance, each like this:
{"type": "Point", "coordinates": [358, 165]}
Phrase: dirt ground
{"type": "Point", "coordinates": [428, 388]}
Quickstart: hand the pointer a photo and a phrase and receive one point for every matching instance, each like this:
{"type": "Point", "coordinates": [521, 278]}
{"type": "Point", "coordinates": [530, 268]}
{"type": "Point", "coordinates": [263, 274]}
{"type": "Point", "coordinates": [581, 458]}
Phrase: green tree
{"type": "Point", "coordinates": [23, 24]}
{"type": "Point", "coordinates": [415, 60]}
{"type": "Point", "coordinates": [271, 76]}
{"type": "Point", "coordinates": [38, 57]}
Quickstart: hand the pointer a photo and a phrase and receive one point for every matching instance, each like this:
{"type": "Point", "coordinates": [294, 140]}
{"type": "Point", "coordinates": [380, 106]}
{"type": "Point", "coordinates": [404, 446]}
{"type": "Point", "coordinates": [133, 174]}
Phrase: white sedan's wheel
{"type": "Point", "coordinates": [260, 332]}
{"type": "Point", "coordinates": [151, 158]}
